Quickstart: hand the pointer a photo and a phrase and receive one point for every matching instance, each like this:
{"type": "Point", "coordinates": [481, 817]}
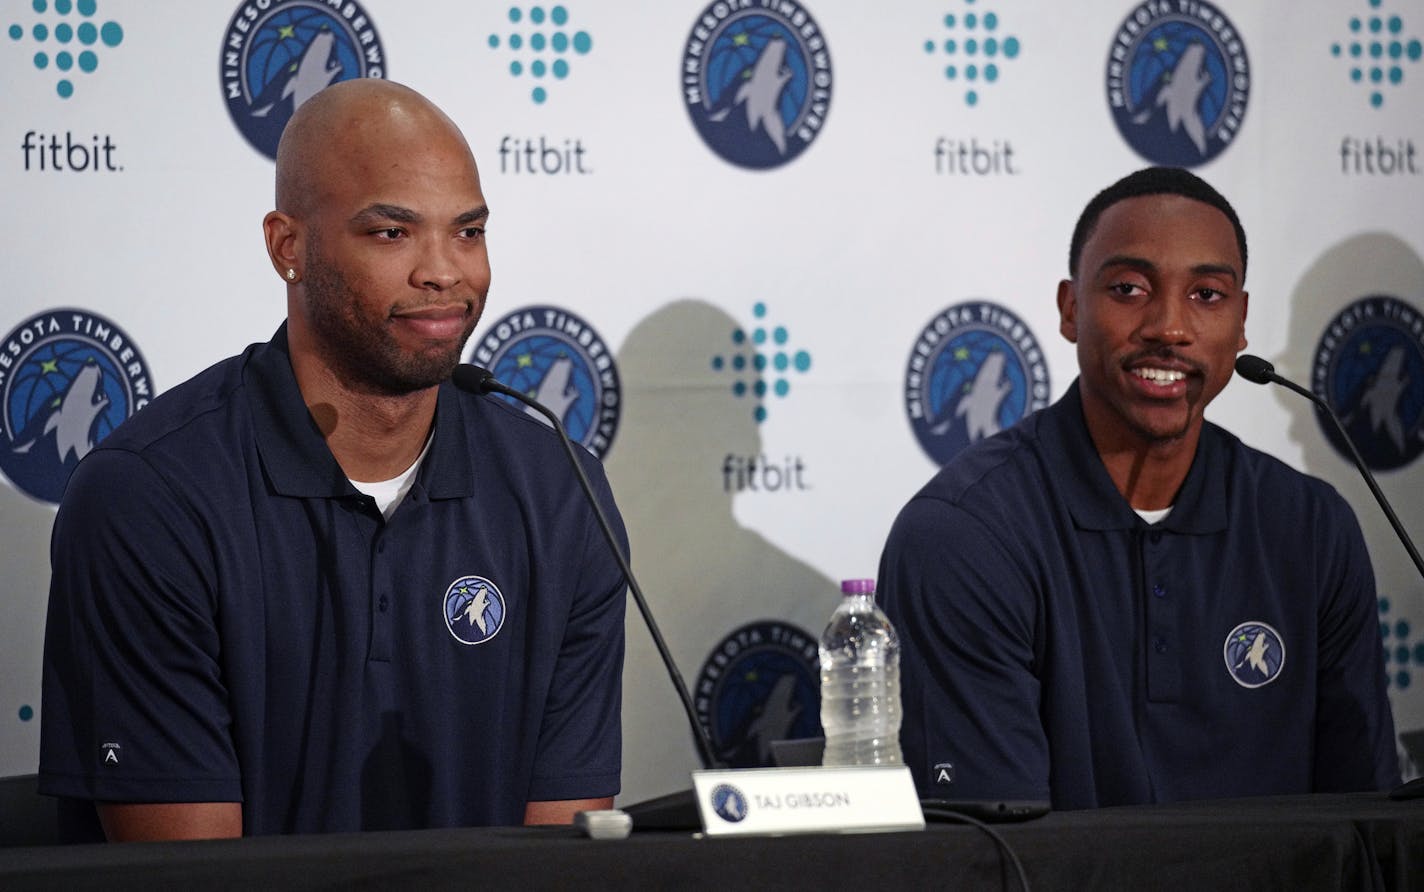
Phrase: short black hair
{"type": "Point", "coordinates": [1152, 181]}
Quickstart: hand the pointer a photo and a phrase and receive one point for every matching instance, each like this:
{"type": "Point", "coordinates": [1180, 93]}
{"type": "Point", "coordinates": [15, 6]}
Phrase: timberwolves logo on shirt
{"type": "Point", "coordinates": [1254, 654]}
{"type": "Point", "coordinates": [279, 54]}
{"type": "Point", "coordinates": [67, 378]}
{"type": "Point", "coordinates": [558, 359]}
{"type": "Point", "coordinates": [474, 609]}
{"type": "Point", "coordinates": [1178, 81]}
{"type": "Point", "coordinates": [1369, 366]}
{"type": "Point", "coordinates": [757, 81]}
{"type": "Point", "coordinates": [975, 370]}
{"type": "Point", "coordinates": [760, 683]}
{"type": "Point", "coordinates": [729, 803]}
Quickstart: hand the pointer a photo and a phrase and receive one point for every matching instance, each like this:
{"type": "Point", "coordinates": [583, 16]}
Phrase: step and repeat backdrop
{"type": "Point", "coordinates": [792, 256]}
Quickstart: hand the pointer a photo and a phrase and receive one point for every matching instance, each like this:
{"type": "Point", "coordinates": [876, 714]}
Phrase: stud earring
{"type": "Point", "coordinates": [291, 274]}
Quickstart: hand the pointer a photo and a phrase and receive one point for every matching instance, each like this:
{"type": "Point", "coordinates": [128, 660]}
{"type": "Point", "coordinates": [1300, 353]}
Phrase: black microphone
{"type": "Point", "coordinates": [1259, 371]}
{"type": "Point", "coordinates": [482, 381]}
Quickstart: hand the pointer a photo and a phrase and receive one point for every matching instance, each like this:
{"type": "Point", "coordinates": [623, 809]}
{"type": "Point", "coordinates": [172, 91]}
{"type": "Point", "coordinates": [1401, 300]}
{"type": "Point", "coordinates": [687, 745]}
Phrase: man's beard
{"type": "Point", "coordinates": [361, 349]}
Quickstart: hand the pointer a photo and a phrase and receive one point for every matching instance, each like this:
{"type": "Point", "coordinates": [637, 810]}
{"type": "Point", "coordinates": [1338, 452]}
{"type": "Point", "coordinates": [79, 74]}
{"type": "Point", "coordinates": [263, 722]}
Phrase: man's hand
{"type": "Point", "coordinates": [562, 811]}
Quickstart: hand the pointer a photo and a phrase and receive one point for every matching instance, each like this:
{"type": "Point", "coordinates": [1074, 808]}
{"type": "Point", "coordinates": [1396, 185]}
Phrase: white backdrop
{"type": "Point", "coordinates": [840, 256]}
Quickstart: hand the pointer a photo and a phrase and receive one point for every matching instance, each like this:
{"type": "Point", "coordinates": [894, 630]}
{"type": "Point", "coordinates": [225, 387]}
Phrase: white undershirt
{"type": "Point", "coordinates": [1154, 516]}
{"type": "Point", "coordinates": [389, 493]}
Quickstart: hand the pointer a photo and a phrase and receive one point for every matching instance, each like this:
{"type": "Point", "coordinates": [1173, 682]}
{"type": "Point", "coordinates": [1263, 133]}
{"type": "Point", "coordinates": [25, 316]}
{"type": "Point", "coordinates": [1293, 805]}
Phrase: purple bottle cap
{"type": "Point", "coordinates": [858, 586]}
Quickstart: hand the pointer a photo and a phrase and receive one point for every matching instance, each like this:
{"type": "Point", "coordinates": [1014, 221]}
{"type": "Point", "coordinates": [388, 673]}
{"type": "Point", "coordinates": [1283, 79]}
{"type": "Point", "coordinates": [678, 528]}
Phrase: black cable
{"type": "Point", "coordinates": [478, 380]}
{"type": "Point", "coordinates": [944, 814]}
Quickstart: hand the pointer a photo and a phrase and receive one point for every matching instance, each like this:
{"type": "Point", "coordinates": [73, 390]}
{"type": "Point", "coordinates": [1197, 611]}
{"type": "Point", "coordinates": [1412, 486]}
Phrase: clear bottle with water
{"type": "Point", "coordinates": [860, 681]}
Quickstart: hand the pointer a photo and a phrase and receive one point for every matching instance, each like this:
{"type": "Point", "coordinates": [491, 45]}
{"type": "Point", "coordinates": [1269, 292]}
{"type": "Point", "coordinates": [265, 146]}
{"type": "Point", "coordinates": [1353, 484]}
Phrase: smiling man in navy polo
{"type": "Point", "coordinates": [1118, 602]}
{"type": "Point", "coordinates": [317, 588]}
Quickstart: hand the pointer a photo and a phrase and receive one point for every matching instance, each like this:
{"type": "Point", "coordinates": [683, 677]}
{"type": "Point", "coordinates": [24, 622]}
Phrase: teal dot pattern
{"type": "Point", "coordinates": [757, 352]}
{"type": "Point", "coordinates": [544, 45]}
{"type": "Point", "coordinates": [1403, 648]}
{"type": "Point", "coordinates": [55, 31]}
{"type": "Point", "coordinates": [1377, 50]}
{"type": "Point", "coordinates": [974, 55]}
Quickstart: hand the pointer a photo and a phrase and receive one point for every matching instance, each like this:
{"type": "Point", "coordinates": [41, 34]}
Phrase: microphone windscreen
{"type": "Point", "coordinates": [1254, 369]}
{"type": "Point", "coordinates": [472, 378]}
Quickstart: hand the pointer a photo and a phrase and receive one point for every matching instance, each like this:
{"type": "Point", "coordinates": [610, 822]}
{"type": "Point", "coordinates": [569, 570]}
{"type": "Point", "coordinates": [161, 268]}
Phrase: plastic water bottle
{"type": "Point", "coordinates": [860, 681]}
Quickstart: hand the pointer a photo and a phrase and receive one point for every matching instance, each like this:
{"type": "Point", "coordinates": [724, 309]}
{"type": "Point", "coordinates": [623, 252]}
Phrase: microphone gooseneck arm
{"type": "Point", "coordinates": [482, 381]}
{"type": "Point", "coordinates": [1260, 371]}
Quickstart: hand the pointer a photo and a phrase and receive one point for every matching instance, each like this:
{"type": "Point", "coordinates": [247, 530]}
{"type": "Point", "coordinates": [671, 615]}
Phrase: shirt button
{"type": "Point", "coordinates": [1155, 536]}
{"type": "Point", "coordinates": [1159, 645]}
{"type": "Point", "coordinates": [384, 603]}
{"type": "Point", "coordinates": [381, 547]}
{"type": "Point", "coordinates": [1159, 590]}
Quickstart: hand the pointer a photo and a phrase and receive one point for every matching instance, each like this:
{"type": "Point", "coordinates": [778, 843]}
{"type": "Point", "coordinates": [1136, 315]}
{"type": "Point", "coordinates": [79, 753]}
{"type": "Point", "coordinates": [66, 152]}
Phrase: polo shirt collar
{"type": "Point", "coordinates": [1093, 499]}
{"type": "Point", "coordinates": [294, 452]}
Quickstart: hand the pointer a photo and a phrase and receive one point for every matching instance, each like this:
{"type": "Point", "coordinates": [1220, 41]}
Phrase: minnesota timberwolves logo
{"type": "Point", "coordinates": [279, 54]}
{"type": "Point", "coordinates": [67, 379]}
{"type": "Point", "coordinates": [474, 609]}
{"type": "Point", "coordinates": [559, 360]}
{"type": "Point", "coordinates": [1254, 654]}
{"type": "Point", "coordinates": [760, 684]}
{"type": "Point", "coordinates": [729, 803]}
{"type": "Point", "coordinates": [1369, 366]}
{"type": "Point", "coordinates": [975, 370]}
{"type": "Point", "coordinates": [757, 81]}
{"type": "Point", "coordinates": [1178, 80]}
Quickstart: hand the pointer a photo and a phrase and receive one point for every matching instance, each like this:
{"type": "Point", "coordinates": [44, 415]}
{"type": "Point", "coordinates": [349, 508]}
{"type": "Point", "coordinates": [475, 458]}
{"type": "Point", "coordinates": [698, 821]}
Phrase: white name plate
{"type": "Point", "coordinates": [774, 801]}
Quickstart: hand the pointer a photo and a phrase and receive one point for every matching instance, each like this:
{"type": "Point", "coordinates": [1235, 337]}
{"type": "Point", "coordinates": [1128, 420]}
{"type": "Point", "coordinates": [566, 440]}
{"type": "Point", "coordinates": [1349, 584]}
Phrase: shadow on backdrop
{"type": "Point", "coordinates": [1372, 264]}
{"type": "Point", "coordinates": [704, 573]}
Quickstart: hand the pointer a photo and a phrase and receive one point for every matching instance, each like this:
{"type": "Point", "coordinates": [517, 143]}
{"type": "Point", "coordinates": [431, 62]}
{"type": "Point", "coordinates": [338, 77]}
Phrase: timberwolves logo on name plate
{"type": "Point", "coordinates": [558, 359]}
{"type": "Point", "coordinates": [1369, 366]}
{"type": "Point", "coordinates": [68, 377]}
{"type": "Point", "coordinates": [1254, 654]}
{"type": "Point", "coordinates": [474, 609]}
{"type": "Point", "coordinates": [975, 370]}
{"type": "Point", "coordinates": [729, 803]}
{"type": "Point", "coordinates": [760, 683]}
{"type": "Point", "coordinates": [756, 80]}
{"type": "Point", "coordinates": [276, 55]}
{"type": "Point", "coordinates": [1178, 80]}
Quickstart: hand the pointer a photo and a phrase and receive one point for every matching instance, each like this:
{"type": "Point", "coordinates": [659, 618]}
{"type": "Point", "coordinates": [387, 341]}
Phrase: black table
{"type": "Point", "coordinates": [1357, 841]}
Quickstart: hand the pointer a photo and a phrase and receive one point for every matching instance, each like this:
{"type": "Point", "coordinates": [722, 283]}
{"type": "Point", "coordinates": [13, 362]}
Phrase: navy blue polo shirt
{"type": "Point", "coordinates": [230, 619]}
{"type": "Point", "coordinates": [1056, 646]}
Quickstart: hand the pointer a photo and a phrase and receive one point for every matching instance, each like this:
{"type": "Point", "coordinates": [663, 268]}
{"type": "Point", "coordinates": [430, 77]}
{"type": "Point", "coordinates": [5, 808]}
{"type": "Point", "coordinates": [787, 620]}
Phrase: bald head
{"type": "Point", "coordinates": [349, 126]}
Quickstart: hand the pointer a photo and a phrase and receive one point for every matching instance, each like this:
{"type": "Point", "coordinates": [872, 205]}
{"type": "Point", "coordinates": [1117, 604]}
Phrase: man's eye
{"type": "Point", "coordinates": [472, 232]}
{"type": "Point", "coordinates": [389, 233]}
{"type": "Point", "coordinates": [1208, 295]}
{"type": "Point", "coordinates": [1125, 289]}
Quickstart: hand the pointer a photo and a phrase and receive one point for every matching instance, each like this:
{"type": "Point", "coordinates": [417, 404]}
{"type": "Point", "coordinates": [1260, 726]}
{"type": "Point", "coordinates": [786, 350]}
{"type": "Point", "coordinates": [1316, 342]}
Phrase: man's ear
{"type": "Point", "coordinates": [1068, 311]}
{"type": "Point", "coordinates": [1245, 303]}
{"type": "Point", "coordinates": [283, 234]}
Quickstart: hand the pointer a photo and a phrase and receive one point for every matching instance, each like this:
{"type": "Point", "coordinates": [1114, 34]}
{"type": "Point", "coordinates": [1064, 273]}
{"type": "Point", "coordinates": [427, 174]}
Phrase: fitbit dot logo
{"type": "Point", "coordinates": [1369, 366]}
{"type": "Point", "coordinates": [757, 81]}
{"type": "Point", "coordinates": [1378, 50]}
{"type": "Point", "coordinates": [276, 55]}
{"type": "Point", "coordinates": [68, 377]}
{"type": "Point", "coordinates": [556, 357]}
{"type": "Point", "coordinates": [756, 355]}
{"type": "Point", "coordinates": [542, 46]}
{"type": "Point", "coordinates": [66, 39]}
{"type": "Point", "coordinates": [972, 50]}
{"type": "Point", "coordinates": [975, 369]}
{"type": "Point", "coordinates": [1178, 80]}
{"type": "Point", "coordinates": [1401, 648]}
{"type": "Point", "coordinates": [760, 683]}
{"type": "Point", "coordinates": [474, 609]}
